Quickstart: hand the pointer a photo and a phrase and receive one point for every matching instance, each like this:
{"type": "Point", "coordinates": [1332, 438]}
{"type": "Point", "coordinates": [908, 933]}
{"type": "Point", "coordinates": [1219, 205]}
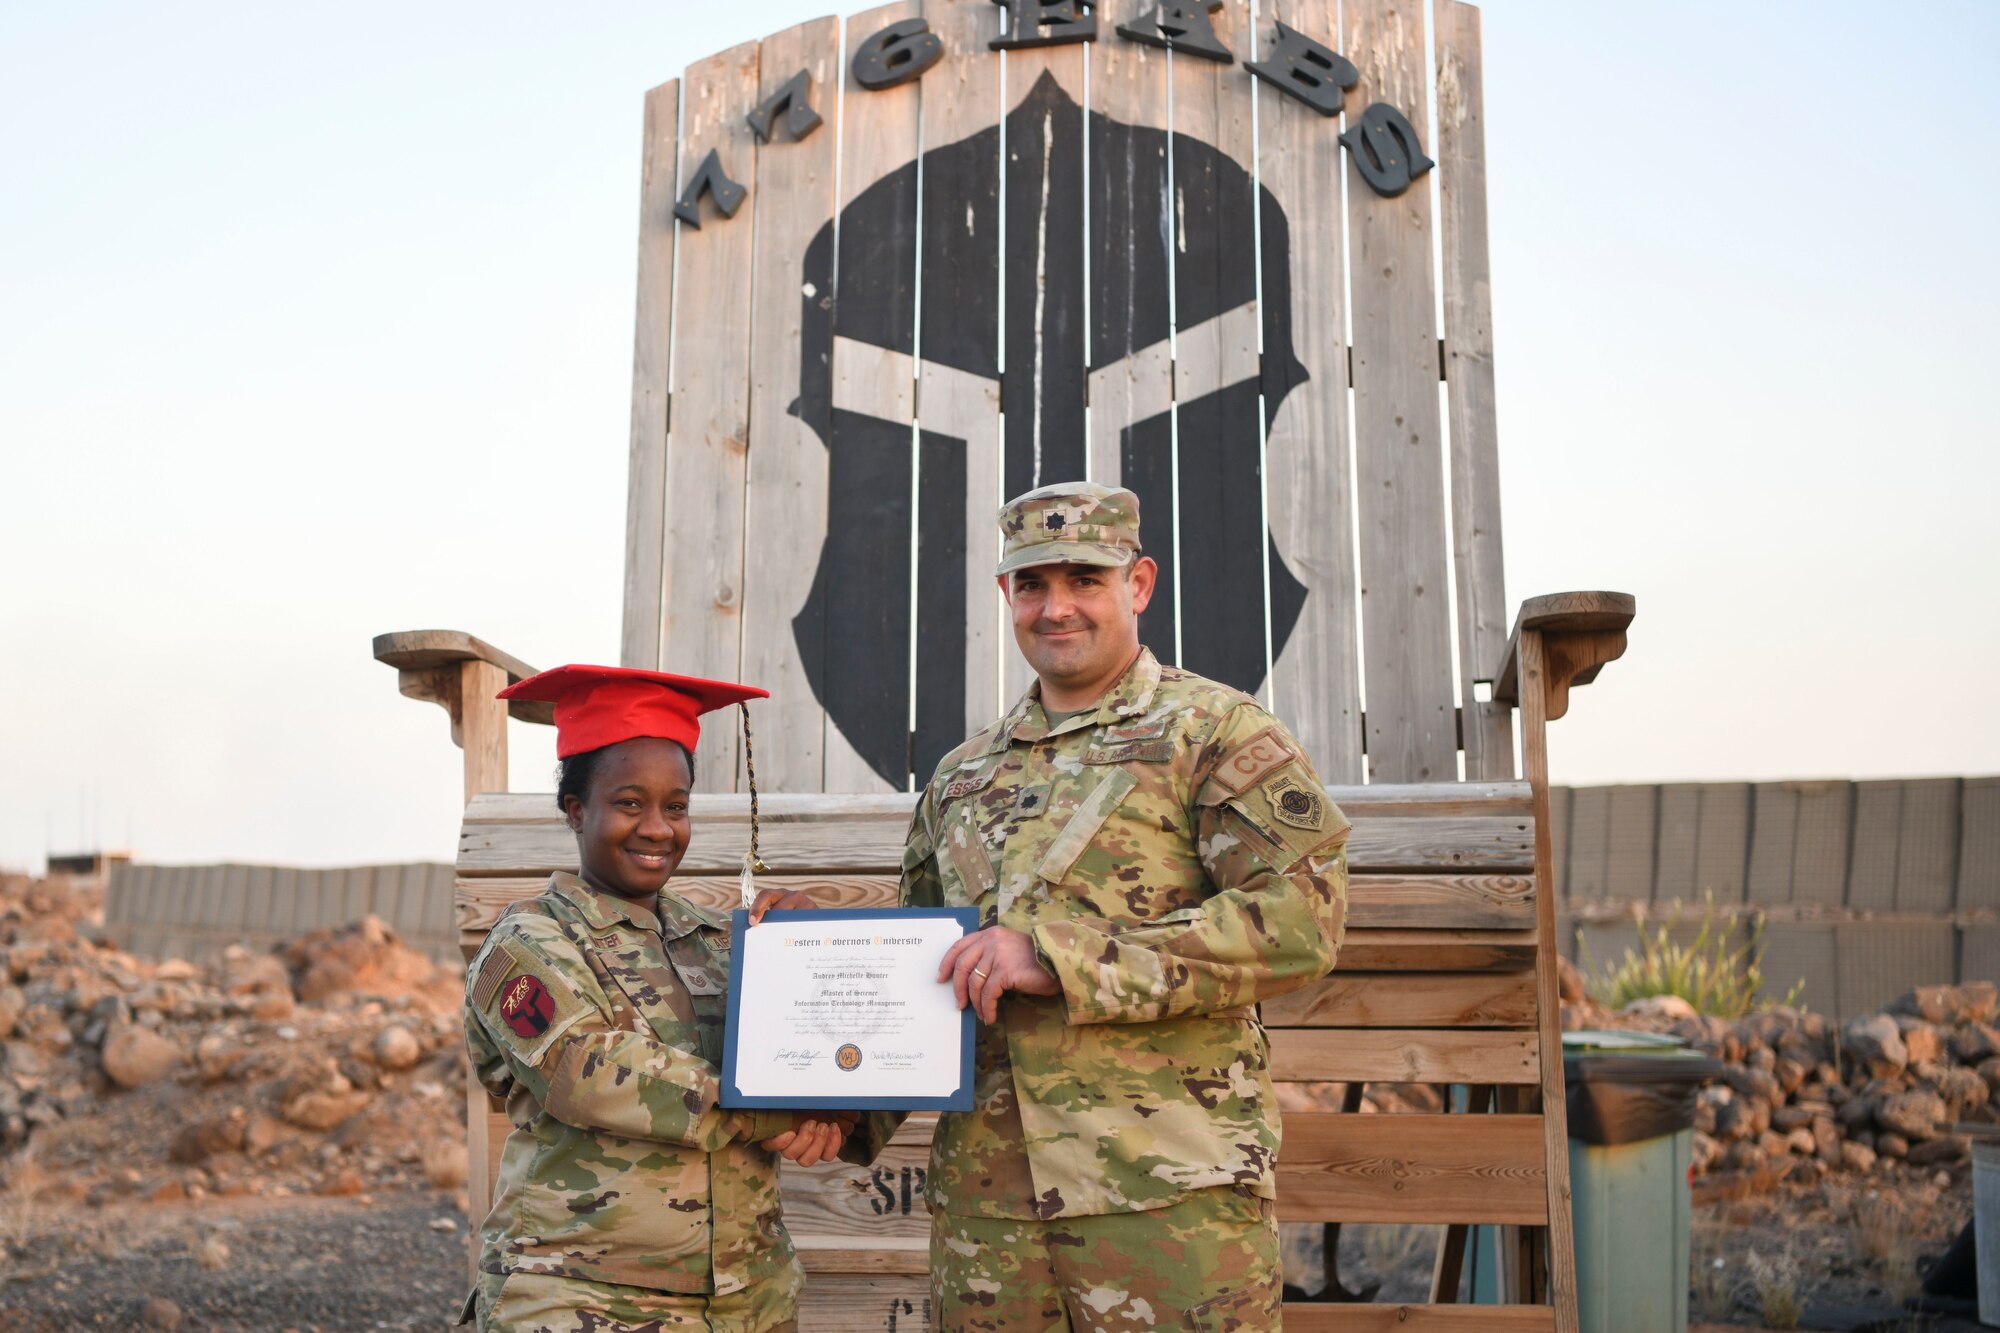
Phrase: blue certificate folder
{"type": "Point", "coordinates": [960, 1098]}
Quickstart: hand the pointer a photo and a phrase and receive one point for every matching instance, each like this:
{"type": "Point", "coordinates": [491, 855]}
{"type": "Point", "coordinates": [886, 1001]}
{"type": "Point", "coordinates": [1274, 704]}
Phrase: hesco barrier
{"type": "Point", "coordinates": [1864, 889]}
{"type": "Point", "coordinates": [194, 912]}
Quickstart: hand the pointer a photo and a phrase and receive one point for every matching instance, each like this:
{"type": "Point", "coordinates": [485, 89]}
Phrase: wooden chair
{"type": "Point", "coordinates": [809, 335]}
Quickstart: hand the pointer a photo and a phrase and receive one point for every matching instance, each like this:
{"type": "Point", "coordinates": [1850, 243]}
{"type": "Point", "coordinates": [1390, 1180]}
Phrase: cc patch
{"type": "Point", "coordinates": [1294, 804]}
{"type": "Point", "coordinates": [527, 1006]}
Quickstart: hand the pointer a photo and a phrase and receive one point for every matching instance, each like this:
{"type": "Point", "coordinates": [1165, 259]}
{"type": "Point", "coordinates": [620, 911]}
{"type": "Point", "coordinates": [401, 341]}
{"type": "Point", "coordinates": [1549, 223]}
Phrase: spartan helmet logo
{"type": "Point", "coordinates": [854, 631]}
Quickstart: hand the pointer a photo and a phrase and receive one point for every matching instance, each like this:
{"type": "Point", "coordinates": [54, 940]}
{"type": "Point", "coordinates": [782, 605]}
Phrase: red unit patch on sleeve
{"type": "Point", "coordinates": [527, 1006]}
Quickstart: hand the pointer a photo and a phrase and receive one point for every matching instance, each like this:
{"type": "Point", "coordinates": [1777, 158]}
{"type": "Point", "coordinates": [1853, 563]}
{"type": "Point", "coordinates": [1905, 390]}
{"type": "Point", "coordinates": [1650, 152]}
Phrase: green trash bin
{"type": "Point", "coordinates": [1630, 1103]}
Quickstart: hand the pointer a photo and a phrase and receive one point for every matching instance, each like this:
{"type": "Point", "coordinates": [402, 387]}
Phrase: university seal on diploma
{"type": "Point", "coordinates": [841, 1009]}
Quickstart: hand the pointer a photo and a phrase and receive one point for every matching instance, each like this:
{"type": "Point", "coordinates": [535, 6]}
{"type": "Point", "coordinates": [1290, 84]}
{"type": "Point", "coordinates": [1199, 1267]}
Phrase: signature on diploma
{"type": "Point", "coordinates": [790, 1053]}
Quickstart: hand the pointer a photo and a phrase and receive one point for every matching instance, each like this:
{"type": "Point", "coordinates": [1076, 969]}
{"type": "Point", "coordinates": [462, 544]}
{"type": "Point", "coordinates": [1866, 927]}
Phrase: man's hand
{"type": "Point", "coordinates": [817, 1139]}
{"type": "Point", "coordinates": [788, 900]}
{"type": "Point", "coordinates": [988, 963]}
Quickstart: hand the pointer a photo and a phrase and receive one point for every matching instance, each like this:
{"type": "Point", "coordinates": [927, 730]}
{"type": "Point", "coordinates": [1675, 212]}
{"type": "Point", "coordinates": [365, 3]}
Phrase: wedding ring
{"type": "Point", "coordinates": [978, 971]}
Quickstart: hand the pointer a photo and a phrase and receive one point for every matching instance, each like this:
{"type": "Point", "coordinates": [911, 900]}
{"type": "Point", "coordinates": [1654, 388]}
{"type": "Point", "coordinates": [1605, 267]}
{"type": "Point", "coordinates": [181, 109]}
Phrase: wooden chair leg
{"type": "Point", "coordinates": [1450, 1267]}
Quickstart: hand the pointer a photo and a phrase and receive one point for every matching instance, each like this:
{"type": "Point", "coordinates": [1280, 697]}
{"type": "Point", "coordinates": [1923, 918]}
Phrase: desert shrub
{"type": "Point", "coordinates": [1716, 979]}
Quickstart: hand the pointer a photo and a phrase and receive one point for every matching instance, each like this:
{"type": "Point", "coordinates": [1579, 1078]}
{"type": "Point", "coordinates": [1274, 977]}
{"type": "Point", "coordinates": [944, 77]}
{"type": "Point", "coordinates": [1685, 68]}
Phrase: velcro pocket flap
{"type": "Point", "coordinates": [1083, 825]}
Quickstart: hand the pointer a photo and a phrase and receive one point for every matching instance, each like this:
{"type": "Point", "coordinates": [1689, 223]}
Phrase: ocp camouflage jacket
{"type": "Point", "coordinates": [601, 1026]}
{"type": "Point", "coordinates": [1175, 860]}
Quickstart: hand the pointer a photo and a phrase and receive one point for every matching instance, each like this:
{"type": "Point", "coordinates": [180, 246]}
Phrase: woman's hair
{"type": "Point", "coordinates": [574, 774]}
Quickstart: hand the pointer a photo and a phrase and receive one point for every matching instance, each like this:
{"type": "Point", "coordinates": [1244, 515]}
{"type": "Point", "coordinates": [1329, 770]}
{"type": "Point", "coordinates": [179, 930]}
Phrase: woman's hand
{"type": "Point", "coordinates": [817, 1139]}
{"type": "Point", "coordinates": [785, 900]}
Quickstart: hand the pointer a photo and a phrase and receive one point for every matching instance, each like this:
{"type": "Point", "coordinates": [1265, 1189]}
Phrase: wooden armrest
{"type": "Point", "coordinates": [1589, 627]}
{"type": "Point", "coordinates": [417, 654]}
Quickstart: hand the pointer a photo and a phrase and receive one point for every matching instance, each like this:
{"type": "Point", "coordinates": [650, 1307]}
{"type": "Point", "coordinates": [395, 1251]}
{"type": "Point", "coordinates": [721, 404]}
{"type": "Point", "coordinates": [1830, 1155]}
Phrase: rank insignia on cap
{"type": "Point", "coordinates": [1296, 805]}
{"type": "Point", "coordinates": [1056, 520]}
{"type": "Point", "coordinates": [527, 1006]}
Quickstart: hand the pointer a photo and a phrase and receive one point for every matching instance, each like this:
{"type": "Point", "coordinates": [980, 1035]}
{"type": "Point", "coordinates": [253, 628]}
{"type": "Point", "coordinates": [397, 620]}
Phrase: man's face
{"type": "Point", "coordinates": [1078, 624]}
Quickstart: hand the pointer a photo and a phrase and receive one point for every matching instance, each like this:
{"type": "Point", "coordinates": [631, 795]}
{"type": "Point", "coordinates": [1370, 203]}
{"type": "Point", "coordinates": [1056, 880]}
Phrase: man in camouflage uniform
{"type": "Point", "coordinates": [600, 1023]}
{"type": "Point", "coordinates": [1152, 855]}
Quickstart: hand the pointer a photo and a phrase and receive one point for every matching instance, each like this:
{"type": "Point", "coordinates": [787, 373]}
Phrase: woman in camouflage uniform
{"type": "Point", "coordinates": [627, 1199]}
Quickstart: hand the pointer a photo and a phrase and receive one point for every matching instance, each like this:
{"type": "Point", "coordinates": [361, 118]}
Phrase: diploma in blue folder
{"type": "Point", "coordinates": [841, 1009]}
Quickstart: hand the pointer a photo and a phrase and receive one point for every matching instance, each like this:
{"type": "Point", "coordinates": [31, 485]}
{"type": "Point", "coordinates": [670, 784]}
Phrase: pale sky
{"type": "Point", "coordinates": [316, 323]}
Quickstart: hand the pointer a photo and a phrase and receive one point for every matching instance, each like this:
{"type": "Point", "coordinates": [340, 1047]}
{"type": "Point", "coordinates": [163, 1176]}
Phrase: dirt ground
{"type": "Point", "coordinates": [394, 1261]}
{"type": "Point", "coordinates": [1824, 1258]}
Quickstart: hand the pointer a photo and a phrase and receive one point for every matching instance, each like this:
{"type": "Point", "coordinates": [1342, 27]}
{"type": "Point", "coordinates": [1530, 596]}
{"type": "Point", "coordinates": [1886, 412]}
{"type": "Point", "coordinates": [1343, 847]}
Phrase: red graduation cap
{"type": "Point", "coordinates": [601, 705]}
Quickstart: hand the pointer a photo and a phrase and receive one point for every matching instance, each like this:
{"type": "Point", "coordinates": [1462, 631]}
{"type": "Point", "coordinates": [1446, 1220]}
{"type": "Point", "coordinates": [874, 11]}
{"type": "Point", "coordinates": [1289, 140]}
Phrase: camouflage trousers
{"type": "Point", "coordinates": [1208, 1263]}
{"type": "Point", "coordinates": [544, 1303]}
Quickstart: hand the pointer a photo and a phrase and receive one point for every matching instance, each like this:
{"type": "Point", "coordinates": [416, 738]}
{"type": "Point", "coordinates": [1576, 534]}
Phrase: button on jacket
{"type": "Point", "coordinates": [601, 1026]}
{"type": "Point", "coordinates": [1175, 860]}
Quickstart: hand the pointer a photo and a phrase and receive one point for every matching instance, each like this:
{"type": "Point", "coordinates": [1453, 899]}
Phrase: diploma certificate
{"type": "Point", "coordinates": [842, 1009]}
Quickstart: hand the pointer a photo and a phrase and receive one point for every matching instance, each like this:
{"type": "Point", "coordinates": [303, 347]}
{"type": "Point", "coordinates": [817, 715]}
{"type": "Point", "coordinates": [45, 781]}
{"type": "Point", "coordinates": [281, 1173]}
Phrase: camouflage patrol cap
{"type": "Point", "coordinates": [1074, 522]}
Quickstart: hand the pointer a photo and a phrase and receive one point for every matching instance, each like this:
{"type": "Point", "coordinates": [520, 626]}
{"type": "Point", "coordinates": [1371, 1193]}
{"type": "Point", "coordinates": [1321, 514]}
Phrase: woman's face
{"type": "Point", "coordinates": [632, 824]}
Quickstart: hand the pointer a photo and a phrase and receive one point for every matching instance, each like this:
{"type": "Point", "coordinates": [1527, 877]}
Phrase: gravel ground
{"type": "Point", "coordinates": [330, 1265]}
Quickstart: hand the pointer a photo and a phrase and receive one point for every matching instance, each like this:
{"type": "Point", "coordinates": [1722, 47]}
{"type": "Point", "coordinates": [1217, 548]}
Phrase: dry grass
{"type": "Point", "coordinates": [22, 1181]}
{"type": "Point", "coordinates": [1886, 1237]}
{"type": "Point", "coordinates": [210, 1251]}
{"type": "Point", "coordinates": [1711, 1291]}
{"type": "Point", "coordinates": [1776, 1290]}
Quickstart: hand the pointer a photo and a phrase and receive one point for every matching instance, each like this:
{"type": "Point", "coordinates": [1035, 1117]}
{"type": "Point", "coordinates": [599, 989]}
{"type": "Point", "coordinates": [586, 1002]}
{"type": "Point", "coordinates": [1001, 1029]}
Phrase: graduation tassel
{"type": "Point", "coordinates": [752, 863]}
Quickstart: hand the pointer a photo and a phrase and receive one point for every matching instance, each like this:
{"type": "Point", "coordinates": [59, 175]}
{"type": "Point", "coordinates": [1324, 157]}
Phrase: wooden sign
{"type": "Point", "coordinates": [896, 270]}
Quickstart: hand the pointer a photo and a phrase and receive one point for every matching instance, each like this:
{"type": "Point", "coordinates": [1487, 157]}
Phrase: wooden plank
{"type": "Point", "coordinates": [786, 509]}
{"type": "Point", "coordinates": [1315, 682]}
{"type": "Point", "coordinates": [1226, 579]}
{"type": "Point", "coordinates": [866, 1303]}
{"type": "Point", "coordinates": [1722, 849]}
{"type": "Point", "coordinates": [702, 581]}
{"type": "Point", "coordinates": [1560, 1241]}
{"type": "Point", "coordinates": [958, 395]}
{"type": "Point", "coordinates": [1131, 221]}
{"type": "Point", "coordinates": [1819, 848]}
{"type": "Point", "coordinates": [1774, 827]}
{"type": "Point", "coordinates": [652, 338]}
{"type": "Point", "coordinates": [1927, 845]}
{"type": "Point", "coordinates": [1589, 842]}
{"type": "Point", "coordinates": [1558, 868]}
{"type": "Point", "coordinates": [1412, 1168]}
{"type": "Point", "coordinates": [1405, 625]}
{"type": "Point", "coordinates": [1408, 1000]}
{"type": "Point", "coordinates": [861, 1204]}
{"type": "Point", "coordinates": [1472, 844]}
{"type": "Point", "coordinates": [1979, 845]}
{"type": "Point", "coordinates": [1871, 870]}
{"type": "Point", "coordinates": [1439, 902]}
{"type": "Point", "coordinates": [1442, 902]}
{"type": "Point", "coordinates": [1628, 852]}
{"type": "Point", "coordinates": [871, 454]}
{"type": "Point", "coordinates": [1404, 1055]}
{"type": "Point", "coordinates": [1304, 1318]}
{"type": "Point", "coordinates": [1674, 857]}
{"type": "Point", "coordinates": [1478, 566]}
{"type": "Point", "coordinates": [1044, 374]}
{"type": "Point", "coordinates": [1380, 801]}
{"type": "Point", "coordinates": [839, 1255]}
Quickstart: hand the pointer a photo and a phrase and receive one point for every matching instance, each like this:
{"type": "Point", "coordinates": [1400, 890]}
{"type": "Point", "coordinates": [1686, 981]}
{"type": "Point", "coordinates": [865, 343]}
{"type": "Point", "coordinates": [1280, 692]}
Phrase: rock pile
{"type": "Point", "coordinates": [1802, 1096]}
{"type": "Point", "coordinates": [331, 1065]}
